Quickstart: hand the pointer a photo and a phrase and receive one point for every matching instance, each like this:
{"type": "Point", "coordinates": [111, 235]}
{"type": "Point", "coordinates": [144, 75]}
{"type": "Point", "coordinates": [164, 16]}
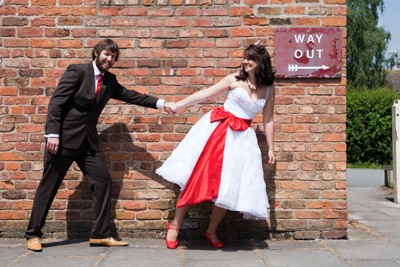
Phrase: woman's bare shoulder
{"type": "Point", "coordinates": [233, 81]}
{"type": "Point", "coordinates": [232, 76]}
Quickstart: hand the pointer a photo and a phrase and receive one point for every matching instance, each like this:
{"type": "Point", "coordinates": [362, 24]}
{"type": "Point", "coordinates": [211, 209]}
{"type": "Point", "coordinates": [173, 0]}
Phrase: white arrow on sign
{"type": "Point", "coordinates": [295, 67]}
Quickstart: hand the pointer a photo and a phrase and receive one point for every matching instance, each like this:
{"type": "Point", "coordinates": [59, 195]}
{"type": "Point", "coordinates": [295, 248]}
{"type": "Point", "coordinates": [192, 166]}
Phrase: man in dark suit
{"type": "Point", "coordinates": [71, 135]}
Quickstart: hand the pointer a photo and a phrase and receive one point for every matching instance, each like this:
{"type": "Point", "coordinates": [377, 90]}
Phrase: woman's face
{"type": "Point", "coordinates": [249, 65]}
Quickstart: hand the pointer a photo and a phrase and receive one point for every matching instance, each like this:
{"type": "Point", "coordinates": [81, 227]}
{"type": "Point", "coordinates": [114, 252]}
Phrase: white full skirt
{"type": "Point", "coordinates": [242, 186]}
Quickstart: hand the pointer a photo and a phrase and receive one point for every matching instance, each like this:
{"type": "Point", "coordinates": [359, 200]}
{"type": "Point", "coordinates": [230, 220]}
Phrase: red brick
{"type": "Point", "coordinates": [296, 128]}
{"type": "Point", "coordinates": [75, 21]}
{"type": "Point", "coordinates": [340, 11]}
{"type": "Point", "coordinates": [281, 1]}
{"type": "Point", "coordinates": [241, 11]}
{"type": "Point", "coordinates": [7, 73]}
{"type": "Point", "coordinates": [335, 2]}
{"type": "Point", "coordinates": [176, 2]}
{"type": "Point", "coordinates": [320, 147]}
{"type": "Point", "coordinates": [218, 11]}
{"type": "Point", "coordinates": [15, 21]}
{"type": "Point", "coordinates": [43, 43]}
{"type": "Point", "coordinates": [8, 91]}
{"type": "Point", "coordinates": [307, 214]}
{"type": "Point", "coordinates": [56, 11]}
{"type": "Point", "coordinates": [5, 32]}
{"type": "Point", "coordinates": [29, 128]}
{"type": "Point", "coordinates": [306, 235]}
{"type": "Point", "coordinates": [44, 2]}
{"type": "Point", "coordinates": [16, 42]}
{"type": "Point", "coordinates": [292, 185]}
{"type": "Point", "coordinates": [334, 137]}
{"type": "Point", "coordinates": [9, 9]}
{"type": "Point", "coordinates": [291, 224]}
{"type": "Point", "coordinates": [292, 91]}
{"type": "Point", "coordinates": [124, 215]}
{"type": "Point", "coordinates": [134, 205]}
{"type": "Point", "coordinates": [84, 11]}
{"type": "Point", "coordinates": [6, 147]}
{"type": "Point", "coordinates": [241, 32]}
{"type": "Point", "coordinates": [307, 22]}
{"type": "Point", "coordinates": [12, 215]}
{"type": "Point", "coordinates": [342, 224]}
{"type": "Point", "coordinates": [12, 166]}
{"type": "Point", "coordinates": [291, 10]}
{"type": "Point", "coordinates": [256, 21]}
{"type": "Point", "coordinates": [176, 44]}
{"type": "Point", "coordinates": [29, 32]}
{"type": "Point", "coordinates": [160, 205]}
{"type": "Point", "coordinates": [70, 43]}
{"type": "Point", "coordinates": [270, 11]}
{"type": "Point", "coordinates": [148, 215]}
{"type": "Point", "coordinates": [334, 21]}
{"type": "Point", "coordinates": [341, 194]}
{"type": "Point", "coordinates": [11, 156]}
{"type": "Point", "coordinates": [161, 147]}
{"type": "Point", "coordinates": [29, 185]}
{"type": "Point", "coordinates": [334, 234]}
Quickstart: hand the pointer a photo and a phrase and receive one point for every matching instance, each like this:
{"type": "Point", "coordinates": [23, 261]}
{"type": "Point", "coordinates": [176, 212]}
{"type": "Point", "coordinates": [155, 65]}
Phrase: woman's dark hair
{"type": "Point", "coordinates": [106, 44]}
{"type": "Point", "coordinates": [264, 73]}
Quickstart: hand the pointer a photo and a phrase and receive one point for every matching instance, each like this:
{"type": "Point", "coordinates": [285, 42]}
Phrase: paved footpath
{"type": "Point", "coordinates": [374, 240]}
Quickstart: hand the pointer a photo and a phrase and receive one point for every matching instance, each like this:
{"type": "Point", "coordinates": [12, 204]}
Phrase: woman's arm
{"type": "Point", "coordinates": [269, 127]}
{"type": "Point", "coordinates": [219, 88]}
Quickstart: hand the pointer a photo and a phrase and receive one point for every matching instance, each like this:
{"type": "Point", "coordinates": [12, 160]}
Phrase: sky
{"type": "Point", "coordinates": [390, 21]}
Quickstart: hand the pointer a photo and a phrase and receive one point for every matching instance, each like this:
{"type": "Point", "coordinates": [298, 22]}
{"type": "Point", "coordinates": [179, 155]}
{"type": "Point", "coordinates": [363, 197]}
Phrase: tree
{"type": "Point", "coordinates": [366, 44]}
{"type": "Point", "coordinates": [392, 59]}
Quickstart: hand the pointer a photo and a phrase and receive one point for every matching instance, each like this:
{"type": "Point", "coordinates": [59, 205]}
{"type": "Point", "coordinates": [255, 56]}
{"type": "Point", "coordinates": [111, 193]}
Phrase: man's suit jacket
{"type": "Point", "coordinates": [74, 109]}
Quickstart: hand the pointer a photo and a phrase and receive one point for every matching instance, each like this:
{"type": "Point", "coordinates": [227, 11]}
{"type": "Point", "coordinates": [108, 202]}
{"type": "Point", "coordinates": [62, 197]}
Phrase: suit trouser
{"type": "Point", "coordinates": [93, 166]}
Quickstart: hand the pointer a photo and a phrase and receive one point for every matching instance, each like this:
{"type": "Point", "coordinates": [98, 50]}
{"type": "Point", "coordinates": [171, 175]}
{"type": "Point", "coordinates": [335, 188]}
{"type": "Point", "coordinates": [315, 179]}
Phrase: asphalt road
{"type": "Point", "coordinates": [365, 178]}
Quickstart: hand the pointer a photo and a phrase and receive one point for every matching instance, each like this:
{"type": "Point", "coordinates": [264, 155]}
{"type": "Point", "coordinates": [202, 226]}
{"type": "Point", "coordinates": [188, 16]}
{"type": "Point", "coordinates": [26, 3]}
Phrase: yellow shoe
{"type": "Point", "coordinates": [108, 242]}
{"type": "Point", "coordinates": [34, 244]}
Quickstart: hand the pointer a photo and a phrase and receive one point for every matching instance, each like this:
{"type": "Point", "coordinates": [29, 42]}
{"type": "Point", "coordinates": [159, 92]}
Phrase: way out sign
{"type": "Point", "coordinates": [308, 52]}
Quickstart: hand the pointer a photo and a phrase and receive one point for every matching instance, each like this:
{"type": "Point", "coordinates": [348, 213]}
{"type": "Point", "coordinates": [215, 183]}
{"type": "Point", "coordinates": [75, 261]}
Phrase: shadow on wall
{"type": "Point", "coordinates": [117, 144]}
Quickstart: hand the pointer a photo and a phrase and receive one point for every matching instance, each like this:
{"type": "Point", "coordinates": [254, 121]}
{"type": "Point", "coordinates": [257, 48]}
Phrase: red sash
{"type": "Point", "coordinates": [204, 181]}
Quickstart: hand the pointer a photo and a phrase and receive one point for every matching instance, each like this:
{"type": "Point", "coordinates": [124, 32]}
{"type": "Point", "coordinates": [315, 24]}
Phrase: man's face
{"type": "Point", "coordinates": [105, 60]}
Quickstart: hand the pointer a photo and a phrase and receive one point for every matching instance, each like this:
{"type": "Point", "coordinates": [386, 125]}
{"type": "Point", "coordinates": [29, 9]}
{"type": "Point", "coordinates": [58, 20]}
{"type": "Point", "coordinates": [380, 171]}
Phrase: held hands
{"type": "Point", "coordinates": [171, 108]}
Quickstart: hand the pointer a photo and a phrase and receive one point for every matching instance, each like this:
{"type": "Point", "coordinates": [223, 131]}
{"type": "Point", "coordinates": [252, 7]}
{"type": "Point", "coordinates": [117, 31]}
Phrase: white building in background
{"type": "Point", "coordinates": [393, 77]}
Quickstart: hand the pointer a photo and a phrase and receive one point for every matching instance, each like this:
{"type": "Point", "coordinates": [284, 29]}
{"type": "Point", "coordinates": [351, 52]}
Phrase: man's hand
{"type": "Point", "coordinates": [52, 144]}
{"type": "Point", "coordinates": [171, 108]}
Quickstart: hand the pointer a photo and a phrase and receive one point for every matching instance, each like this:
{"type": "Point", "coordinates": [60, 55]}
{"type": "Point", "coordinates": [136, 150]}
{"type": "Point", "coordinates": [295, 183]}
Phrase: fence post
{"type": "Point", "coordinates": [396, 148]}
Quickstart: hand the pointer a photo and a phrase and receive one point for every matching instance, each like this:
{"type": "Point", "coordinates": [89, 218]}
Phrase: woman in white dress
{"type": "Point", "coordinates": [219, 159]}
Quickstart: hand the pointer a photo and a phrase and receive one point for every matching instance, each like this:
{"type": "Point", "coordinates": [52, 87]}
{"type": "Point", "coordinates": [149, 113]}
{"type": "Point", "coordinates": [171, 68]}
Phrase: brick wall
{"type": "Point", "coordinates": [169, 48]}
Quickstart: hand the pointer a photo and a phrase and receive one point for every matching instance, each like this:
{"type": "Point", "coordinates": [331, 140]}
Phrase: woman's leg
{"type": "Point", "coordinates": [216, 217]}
{"type": "Point", "coordinates": [177, 222]}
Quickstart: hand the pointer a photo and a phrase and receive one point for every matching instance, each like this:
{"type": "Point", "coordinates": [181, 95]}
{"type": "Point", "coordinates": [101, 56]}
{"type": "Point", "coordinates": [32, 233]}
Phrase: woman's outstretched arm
{"type": "Point", "coordinates": [200, 96]}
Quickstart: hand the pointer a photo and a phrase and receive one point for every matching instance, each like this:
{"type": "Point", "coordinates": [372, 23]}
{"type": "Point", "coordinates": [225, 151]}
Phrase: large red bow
{"type": "Point", "coordinates": [237, 124]}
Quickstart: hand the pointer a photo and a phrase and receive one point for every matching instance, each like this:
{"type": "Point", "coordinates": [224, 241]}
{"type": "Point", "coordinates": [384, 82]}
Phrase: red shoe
{"type": "Point", "coordinates": [217, 244]}
{"type": "Point", "coordinates": [171, 244]}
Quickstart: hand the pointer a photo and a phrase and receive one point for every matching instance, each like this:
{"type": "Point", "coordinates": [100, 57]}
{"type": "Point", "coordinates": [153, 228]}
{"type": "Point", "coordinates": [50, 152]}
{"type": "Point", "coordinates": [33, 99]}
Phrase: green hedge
{"type": "Point", "coordinates": [369, 126]}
